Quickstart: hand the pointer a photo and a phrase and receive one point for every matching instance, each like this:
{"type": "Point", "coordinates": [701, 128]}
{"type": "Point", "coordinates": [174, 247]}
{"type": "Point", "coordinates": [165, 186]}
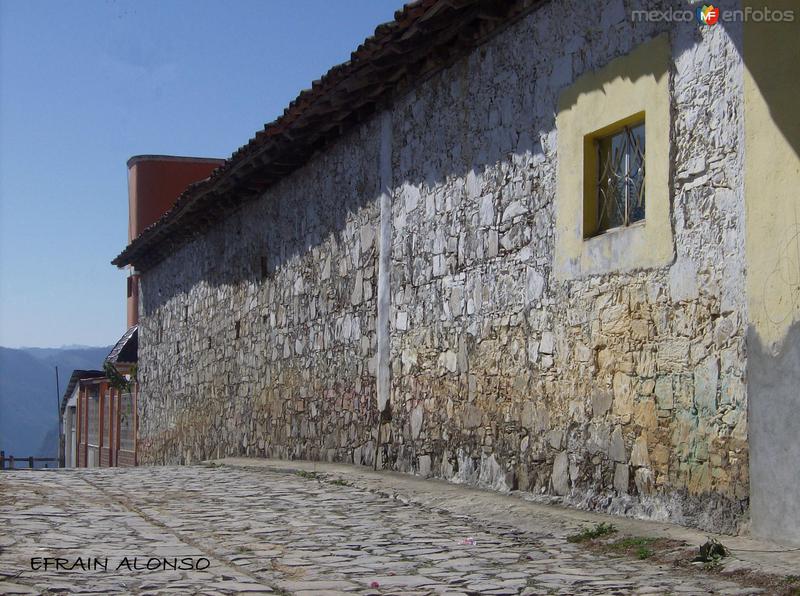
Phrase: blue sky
{"type": "Point", "coordinates": [85, 84]}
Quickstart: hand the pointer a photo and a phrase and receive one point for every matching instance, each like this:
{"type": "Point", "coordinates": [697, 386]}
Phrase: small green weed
{"type": "Point", "coordinates": [632, 542]}
{"type": "Point", "coordinates": [339, 482]}
{"type": "Point", "coordinates": [637, 545]}
{"type": "Point", "coordinates": [601, 529]}
{"type": "Point", "coordinates": [793, 585]}
{"type": "Point", "coordinates": [307, 475]}
{"type": "Point", "coordinates": [642, 552]}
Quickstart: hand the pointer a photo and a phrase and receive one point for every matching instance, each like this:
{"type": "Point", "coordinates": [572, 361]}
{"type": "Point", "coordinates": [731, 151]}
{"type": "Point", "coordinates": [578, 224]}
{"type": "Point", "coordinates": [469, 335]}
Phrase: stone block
{"type": "Point", "coordinates": [663, 391]}
{"type": "Point", "coordinates": [448, 361]}
{"type": "Point", "coordinates": [706, 377]}
{"type": "Point", "coordinates": [487, 211]}
{"type": "Point", "coordinates": [471, 416]}
{"type": "Point", "coordinates": [673, 355]}
{"type": "Point", "coordinates": [616, 447]}
{"type": "Point", "coordinates": [621, 478]}
{"type": "Point", "coordinates": [623, 396]}
{"type": "Point", "coordinates": [560, 476]}
{"type": "Point", "coordinates": [547, 343]}
{"type": "Point", "coordinates": [601, 402]}
{"type": "Point", "coordinates": [643, 478]}
{"type": "Point", "coordinates": [401, 321]}
{"type": "Point", "coordinates": [583, 353]}
{"type": "Point", "coordinates": [424, 466]}
{"type": "Point", "coordinates": [616, 319]}
{"type": "Point", "coordinates": [535, 284]}
{"type": "Point", "coordinates": [639, 455]}
{"type": "Point", "coordinates": [599, 438]}
{"type": "Point", "coordinates": [683, 283]}
{"type": "Point", "coordinates": [555, 438]}
{"type": "Point", "coordinates": [645, 415]}
{"type": "Point", "coordinates": [416, 421]}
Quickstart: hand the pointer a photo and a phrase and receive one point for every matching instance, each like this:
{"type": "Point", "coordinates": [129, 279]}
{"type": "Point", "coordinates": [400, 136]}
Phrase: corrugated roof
{"type": "Point", "coordinates": [78, 375]}
{"type": "Point", "coordinates": [425, 36]}
{"type": "Point", "coordinates": [126, 350]}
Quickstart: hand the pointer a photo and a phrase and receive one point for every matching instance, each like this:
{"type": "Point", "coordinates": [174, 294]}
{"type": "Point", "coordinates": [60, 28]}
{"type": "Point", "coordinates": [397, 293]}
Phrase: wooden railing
{"type": "Point", "coordinates": [9, 462]}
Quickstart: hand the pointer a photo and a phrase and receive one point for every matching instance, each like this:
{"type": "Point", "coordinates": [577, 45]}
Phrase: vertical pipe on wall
{"type": "Point", "coordinates": [384, 264]}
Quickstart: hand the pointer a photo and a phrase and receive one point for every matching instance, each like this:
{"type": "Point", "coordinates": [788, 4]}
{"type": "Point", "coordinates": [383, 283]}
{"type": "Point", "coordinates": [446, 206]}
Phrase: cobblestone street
{"type": "Point", "coordinates": [266, 530]}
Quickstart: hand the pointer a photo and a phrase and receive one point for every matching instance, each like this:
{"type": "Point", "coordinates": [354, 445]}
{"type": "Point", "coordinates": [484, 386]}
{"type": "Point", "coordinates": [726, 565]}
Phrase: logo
{"type": "Point", "coordinates": [707, 14]}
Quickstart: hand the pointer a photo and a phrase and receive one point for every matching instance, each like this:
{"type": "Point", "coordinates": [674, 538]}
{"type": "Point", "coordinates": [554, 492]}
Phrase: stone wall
{"type": "Point", "coordinates": [618, 392]}
{"type": "Point", "coordinates": [258, 337]}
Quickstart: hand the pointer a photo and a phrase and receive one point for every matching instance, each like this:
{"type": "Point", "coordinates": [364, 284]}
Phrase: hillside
{"type": "Point", "coordinates": [28, 400]}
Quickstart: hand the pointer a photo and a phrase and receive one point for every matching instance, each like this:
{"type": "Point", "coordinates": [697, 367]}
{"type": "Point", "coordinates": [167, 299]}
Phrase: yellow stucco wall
{"type": "Point", "coordinates": [772, 221]}
{"type": "Point", "coordinates": [630, 85]}
{"type": "Point", "coordinates": [772, 173]}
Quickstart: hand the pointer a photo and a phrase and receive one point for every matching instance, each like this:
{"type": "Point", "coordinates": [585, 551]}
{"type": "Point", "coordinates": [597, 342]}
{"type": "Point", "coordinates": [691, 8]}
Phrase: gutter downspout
{"type": "Point", "coordinates": [384, 269]}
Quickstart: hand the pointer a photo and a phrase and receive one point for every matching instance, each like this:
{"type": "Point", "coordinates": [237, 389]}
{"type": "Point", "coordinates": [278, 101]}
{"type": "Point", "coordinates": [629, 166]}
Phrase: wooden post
{"type": "Point", "coordinates": [135, 414]}
{"type": "Point", "coordinates": [118, 408]}
{"type": "Point", "coordinates": [115, 425]}
{"type": "Point", "coordinates": [78, 423]}
{"type": "Point", "coordinates": [30, 462]}
{"type": "Point", "coordinates": [111, 408]}
{"type": "Point", "coordinates": [11, 462]}
{"type": "Point", "coordinates": [110, 431]}
{"type": "Point", "coordinates": [60, 453]}
{"type": "Point", "coordinates": [100, 425]}
{"type": "Point", "coordinates": [86, 427]}
{"type": "Point", "coordinates": [2, 460]}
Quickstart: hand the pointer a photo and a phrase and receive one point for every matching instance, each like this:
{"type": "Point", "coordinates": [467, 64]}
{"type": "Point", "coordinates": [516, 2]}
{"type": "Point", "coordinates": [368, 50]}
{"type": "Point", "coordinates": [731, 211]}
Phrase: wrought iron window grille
{"type": "Point", "coordinates": [621, 177]}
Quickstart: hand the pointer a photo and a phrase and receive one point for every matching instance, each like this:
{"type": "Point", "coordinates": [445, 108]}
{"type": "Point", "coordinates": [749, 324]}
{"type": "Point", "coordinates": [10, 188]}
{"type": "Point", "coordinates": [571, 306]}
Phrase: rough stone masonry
{"type": "Point", "coordinates": [620, 392]}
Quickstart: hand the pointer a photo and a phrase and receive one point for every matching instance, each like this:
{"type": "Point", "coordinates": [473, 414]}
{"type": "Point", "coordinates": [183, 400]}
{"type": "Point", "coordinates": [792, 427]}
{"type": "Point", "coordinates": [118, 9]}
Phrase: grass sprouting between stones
{"type": "Point", "coordinates": [307, 475]}
{"type": "Point", "coordinates": [637, 545]}
{"type": "Point", "coordinates": [598, 530]}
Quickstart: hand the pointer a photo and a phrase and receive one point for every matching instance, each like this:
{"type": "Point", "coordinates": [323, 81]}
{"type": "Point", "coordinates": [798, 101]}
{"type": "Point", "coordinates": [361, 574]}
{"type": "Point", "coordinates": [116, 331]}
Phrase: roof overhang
{"type": "Point", "coordinates": [75, 380]}
{"type": "Point", "coordinates": [424, 37]}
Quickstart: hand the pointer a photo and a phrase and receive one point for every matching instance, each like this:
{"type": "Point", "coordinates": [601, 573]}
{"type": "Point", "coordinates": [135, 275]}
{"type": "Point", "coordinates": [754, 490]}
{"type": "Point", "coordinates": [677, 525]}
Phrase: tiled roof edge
{"type": "Point", "coordinates": [424, 37]}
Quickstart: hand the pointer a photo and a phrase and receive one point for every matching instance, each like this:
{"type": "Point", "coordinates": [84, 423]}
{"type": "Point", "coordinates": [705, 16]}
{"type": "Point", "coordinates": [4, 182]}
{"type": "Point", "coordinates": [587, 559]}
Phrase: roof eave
{"type": "Point", "coordinates": [425, 37]}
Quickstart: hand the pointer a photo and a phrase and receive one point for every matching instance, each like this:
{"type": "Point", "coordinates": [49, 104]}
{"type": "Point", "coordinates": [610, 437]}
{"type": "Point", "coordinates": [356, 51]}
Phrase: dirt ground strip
{"type": "Point", "coordinates": [231, 529]}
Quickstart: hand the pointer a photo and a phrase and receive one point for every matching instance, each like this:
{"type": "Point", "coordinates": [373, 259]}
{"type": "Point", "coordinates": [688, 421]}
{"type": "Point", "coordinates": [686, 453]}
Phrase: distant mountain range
{"type": "Point", "coordinates": [28, 399]}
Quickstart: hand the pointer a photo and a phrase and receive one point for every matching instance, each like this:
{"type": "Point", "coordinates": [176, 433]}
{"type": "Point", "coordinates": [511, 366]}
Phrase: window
{"type": "Point", "coordinates": [106, 417]}
{"type": "Point", "coordinates": [602, 183]}
{"type": "Point", "coordinates": [620, 197]}
{"type": "Point", "coordinates": [93, 414]}
{"type": "Point", "coordinates": [126, 422]}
